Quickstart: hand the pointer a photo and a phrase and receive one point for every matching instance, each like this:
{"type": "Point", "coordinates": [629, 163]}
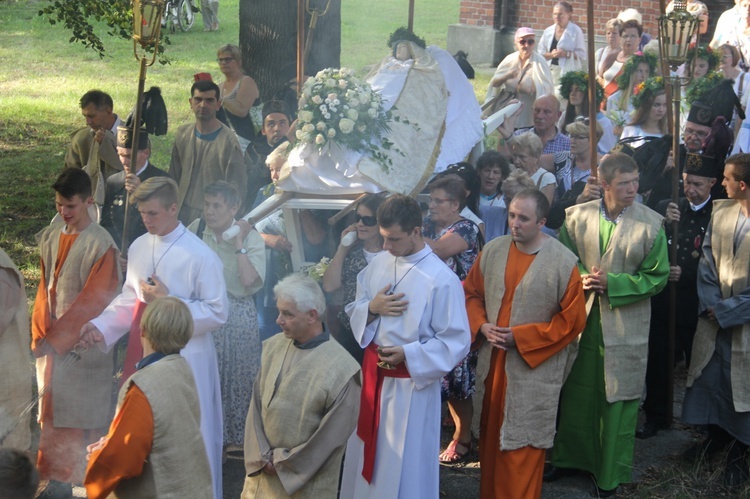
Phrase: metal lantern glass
{"type": "Point", "coordinates": [676, 31]}
{"type": "Point", "coordinates": [147, 16]}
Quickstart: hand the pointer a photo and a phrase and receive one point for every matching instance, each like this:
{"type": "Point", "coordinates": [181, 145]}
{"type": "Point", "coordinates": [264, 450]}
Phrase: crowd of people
{"type": "Point", "coordinates": [525, 294]}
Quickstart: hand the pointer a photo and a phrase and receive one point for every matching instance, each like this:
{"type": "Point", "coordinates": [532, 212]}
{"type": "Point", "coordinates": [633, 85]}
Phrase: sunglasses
{"type": "Point", "coordinates": [224, 60]}
{"type": "Point", "coordinates": [583, 119]}
{"type": "Point", "coordinates": [366, 221]}
{"type": "Point", "coordinates": [525, 42]}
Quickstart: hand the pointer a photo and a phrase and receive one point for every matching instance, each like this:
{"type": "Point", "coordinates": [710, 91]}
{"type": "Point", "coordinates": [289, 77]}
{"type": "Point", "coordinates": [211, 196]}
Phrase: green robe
{"type": "Point", "coordinates": [595, 435]}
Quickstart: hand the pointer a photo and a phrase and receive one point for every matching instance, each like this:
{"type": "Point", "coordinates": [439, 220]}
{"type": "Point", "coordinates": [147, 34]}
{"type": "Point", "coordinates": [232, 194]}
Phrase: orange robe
{"type": "Point", "coordinates": [517, 473]}
{"type": "Point", "coordinates": [62, 451]}
{"type": "Point", "coordinates": [127, 447]}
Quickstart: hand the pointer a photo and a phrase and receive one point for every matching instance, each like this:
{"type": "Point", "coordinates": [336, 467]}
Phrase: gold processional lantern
{"type": "Point", "coordinates": [676, 31]}
{"type": "Point", "coordinates": [147, 15]}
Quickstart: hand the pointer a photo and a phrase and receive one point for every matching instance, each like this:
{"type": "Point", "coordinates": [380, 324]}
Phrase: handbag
{"type": "Point", "coordinates": [502, 99]}
{"type": "Point", "coordinates": [572, 63]}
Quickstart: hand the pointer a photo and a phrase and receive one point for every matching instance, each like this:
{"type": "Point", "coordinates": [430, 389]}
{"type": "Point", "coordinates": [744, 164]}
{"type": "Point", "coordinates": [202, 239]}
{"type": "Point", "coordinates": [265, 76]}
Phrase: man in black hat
{"type": "Point", "coordinates": [692, 212]}
{"type": "Point", "coordinates": [113, 211]}
{"type": "Point", "coordinates": [276, 124]}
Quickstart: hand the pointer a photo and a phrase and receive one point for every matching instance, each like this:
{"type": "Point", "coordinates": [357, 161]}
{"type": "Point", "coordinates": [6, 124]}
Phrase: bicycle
{"type": "Point", "coordinates": [179, 13]}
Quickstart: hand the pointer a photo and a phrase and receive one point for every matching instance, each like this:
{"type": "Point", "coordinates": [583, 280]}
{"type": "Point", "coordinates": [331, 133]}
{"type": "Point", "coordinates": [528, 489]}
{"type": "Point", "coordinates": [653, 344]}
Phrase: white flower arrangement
{"type": "Point", "coordinates": [316, 270]}
{"type": "Point", "coordinates": [336, 107]}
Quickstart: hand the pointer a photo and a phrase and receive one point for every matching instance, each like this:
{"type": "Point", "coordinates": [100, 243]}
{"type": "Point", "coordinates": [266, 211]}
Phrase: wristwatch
{"type": "Point", "coordinates": [241, 251]}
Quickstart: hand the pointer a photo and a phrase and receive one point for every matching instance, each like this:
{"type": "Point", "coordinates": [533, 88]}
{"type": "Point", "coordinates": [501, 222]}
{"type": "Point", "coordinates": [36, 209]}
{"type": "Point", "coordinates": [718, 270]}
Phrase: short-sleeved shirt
{"type": "Point", "coordinates": [469, 232]}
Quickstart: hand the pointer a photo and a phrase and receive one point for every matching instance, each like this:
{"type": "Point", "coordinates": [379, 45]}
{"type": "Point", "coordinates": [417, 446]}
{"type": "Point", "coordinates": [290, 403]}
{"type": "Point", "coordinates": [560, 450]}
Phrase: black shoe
{"type": "Point", "coordinates": [597, 492]}
{"type": "Point", "coordinates": [649, 429]}
{"type": "Point", "coordinates": [56, 490]}
{"type": "Point", "coordinates": [553, 473]}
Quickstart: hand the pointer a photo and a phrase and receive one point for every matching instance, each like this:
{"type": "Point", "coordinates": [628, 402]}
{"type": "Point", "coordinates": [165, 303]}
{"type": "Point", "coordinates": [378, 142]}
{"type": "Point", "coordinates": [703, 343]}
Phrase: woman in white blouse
{"type": "Point", "coordinates": [562, 41]}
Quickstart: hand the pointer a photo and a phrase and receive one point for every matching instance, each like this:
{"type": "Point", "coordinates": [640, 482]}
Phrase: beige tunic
{"type": "Point", "coordinates": [82, 394]}
{"type": "Point", "coordinates": [624, 329]}
{"type": "Point", "coordinates": [734, 277]}
{"type": "Point", "coordinates": [197, 163]}
{"type": "Point", "coordinates": [100, 161]}
{"type": "Point", "coordinates": [177, 466]}
{"type": "Point", "coordinates": [15, 358]}
{"type": "Point", "coordinates": [305, 406]}
{"type": "Point", "coordinates": [532, 393]}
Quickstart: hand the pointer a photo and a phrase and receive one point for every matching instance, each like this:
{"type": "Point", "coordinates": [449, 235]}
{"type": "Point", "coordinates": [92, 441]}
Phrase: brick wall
{"type": "Point", "coordinates": [480, 12]}
{"type": "Point", "coordinates": [537, 14]}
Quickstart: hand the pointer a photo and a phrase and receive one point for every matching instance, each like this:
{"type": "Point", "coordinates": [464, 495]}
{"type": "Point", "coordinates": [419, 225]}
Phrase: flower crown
{"type": "Point", "coordinates": [703, 85]}
{"type": "Point", "coordinates": [623, 81]}
{"type": "Point", "coordinates": [643, 91]}
{"type": "Point", "coordinates": [703, 52]}
{"type": "Point", "coordinates": [581, 80]}
{"type": "Point", "coordinates": [403, 34]}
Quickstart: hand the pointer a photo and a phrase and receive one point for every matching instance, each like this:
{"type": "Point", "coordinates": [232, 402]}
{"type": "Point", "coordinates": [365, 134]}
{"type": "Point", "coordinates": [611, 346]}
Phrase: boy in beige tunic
{"type": "Point", "coordinates": [305, 402]}
{"type": "Point", "coordinates": [80, 276]}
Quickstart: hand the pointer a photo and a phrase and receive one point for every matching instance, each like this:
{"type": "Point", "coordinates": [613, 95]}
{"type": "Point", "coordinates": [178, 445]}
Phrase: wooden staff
{"type": "Point", "coordinates": [134, 151]}
{"type": "Point", "coordinates": [593, 105]}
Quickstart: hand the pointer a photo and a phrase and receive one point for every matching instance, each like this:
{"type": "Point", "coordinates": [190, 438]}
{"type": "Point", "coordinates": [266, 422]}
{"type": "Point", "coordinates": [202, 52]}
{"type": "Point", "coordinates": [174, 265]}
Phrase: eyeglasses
{"type": "Point", "coordinates": [224, 60]}
{"type": "Point", "coordinates": [525, 42]}
{"type": "Point", "coordinates": [367, 221]}
{"type": "Point", "coordinates": [579, 137]}
{"type": "Point", "coordinates": [699, 134]}
{"type": "Point", "coordinates": [628, 37]}
{"type": "Point", "coordinates": [582, 119]}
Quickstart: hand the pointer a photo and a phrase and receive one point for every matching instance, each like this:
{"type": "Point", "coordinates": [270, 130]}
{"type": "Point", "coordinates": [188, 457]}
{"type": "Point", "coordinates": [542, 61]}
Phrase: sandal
{"type": "Point", "coordinates": [456, 452]}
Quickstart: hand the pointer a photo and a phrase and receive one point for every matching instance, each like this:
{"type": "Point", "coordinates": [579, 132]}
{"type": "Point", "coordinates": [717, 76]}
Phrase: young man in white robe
{"type": "Point", "coordinates": [170, 260]}
{"type": "Point", "coordinates": [410, 317]}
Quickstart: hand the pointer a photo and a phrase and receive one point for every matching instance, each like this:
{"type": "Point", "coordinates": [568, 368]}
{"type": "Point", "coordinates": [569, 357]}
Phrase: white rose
{"type": "Point", "coordinates": [305, 116]}
{"type": "Point", "coordinates": [309, 128]}
{"type": "Point", "coordinates": [332, 97]}
{"type": "Point", "coordinates": [330, 83]}
{"type": "Point", "coordinates": [319, 139]}
{"type": "Point", "coordinates": [331, 133]}
{"type": "Point", "coordinates": [354, 102]}
{"type": "Point", "coordinates": [317, 100]}
{"type": "Point", "coordinates": [352, 114]}
{"type": "Point", "coordinates": [372, 113]}
{"type": "Point", "coordinates": [320, 126]}
{"type": "Point", "coordinates": [299, 134]}
{"type": "Point", "coordinates": [302, 101]}
{"type": "Point", "coordinates": [306, 137]}
{"type": "Point", "coordinates": [361, 128]}
{"type": "Point", "coordinates": [346, 125]}
{"type": "Point", "coordinates": [342, 83]}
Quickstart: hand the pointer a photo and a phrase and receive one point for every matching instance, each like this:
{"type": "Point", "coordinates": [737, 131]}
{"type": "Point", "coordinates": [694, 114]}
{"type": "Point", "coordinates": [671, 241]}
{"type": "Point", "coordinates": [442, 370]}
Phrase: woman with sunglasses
{"type": "Point", "coordinates": [349, 260]}
{"type": "Point", "coordinates": [650, 116]}
{"type": "Point", "coordinates": [574, 166]}
{"type": "Point", "coordinates": [456, 241]}
{"type": "Point", "coordinates": [525, 74]}
{"type": "Point", "coordinates": [239, 93]}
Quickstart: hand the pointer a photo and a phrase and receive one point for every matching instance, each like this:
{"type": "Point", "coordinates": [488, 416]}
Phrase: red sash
{"type": "Point", "coordinates": [134, 353]}
{"type": "Point", "coordinates": [369, 408]}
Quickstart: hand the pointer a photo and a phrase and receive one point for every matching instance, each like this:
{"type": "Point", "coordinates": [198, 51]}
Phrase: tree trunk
{"type": "Point", "coordinates": [268, 40]}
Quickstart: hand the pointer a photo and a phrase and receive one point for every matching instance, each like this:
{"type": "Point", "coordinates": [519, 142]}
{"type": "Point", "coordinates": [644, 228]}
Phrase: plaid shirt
{"type": "Point", "coordinates": [559, 143]}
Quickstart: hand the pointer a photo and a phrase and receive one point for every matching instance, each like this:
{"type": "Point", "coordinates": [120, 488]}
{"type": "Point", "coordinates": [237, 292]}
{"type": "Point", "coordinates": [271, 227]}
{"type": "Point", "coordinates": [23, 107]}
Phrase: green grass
{"type": "Point", "coordinates": [44, 75]}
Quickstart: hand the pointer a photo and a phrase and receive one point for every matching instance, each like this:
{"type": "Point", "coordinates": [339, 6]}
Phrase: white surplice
{"type": "Point", "coordinates": [434, 332]}
{"type": "Point", "coordinates": [192, 272]}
